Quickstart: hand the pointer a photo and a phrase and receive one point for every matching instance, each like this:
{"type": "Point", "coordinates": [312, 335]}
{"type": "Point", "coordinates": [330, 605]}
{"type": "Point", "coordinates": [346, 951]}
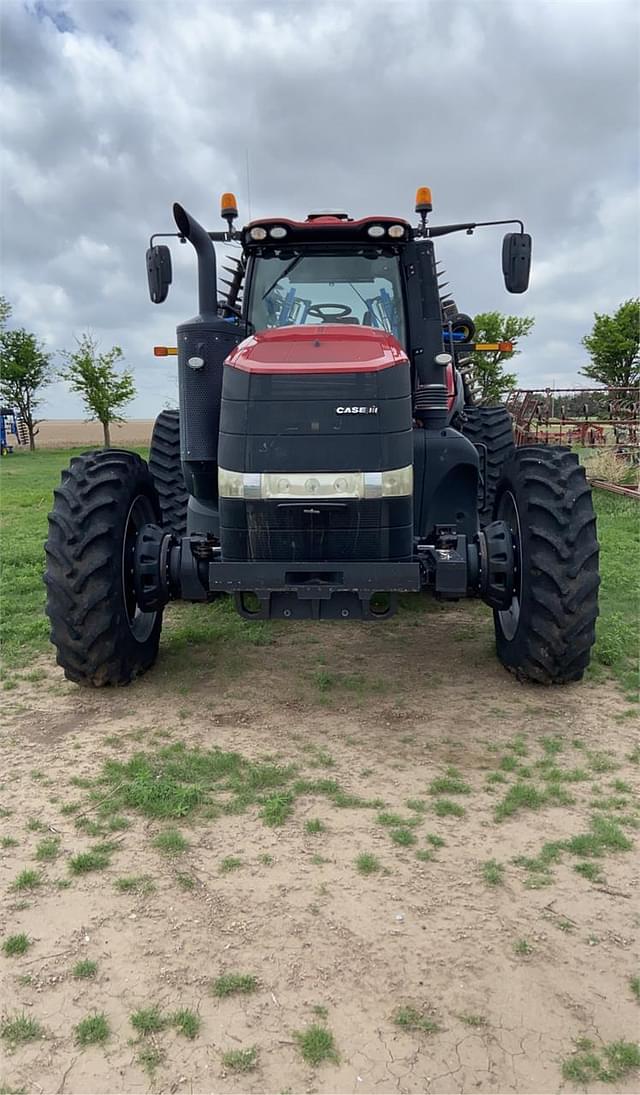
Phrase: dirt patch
{"type": "Point", "coordinates": [504, 977]}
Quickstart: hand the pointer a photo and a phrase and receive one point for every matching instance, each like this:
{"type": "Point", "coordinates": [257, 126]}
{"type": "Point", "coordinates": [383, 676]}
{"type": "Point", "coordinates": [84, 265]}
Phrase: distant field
{"type": "Point", "coordinates": [67, 433]}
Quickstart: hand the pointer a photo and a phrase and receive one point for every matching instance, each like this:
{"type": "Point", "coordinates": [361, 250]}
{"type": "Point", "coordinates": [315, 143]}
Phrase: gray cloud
{"type": "Point", "coordinates": [114, 110]}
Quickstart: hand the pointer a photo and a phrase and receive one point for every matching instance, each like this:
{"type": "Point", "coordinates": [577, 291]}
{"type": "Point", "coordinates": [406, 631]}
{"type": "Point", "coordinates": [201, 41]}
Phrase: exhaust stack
{"type": "Point", "coordinates": [193, 231]}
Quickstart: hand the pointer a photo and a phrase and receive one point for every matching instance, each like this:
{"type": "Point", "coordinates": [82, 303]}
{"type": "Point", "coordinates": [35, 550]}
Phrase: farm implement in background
{"type": "Point", "coordinates": [11, 425]}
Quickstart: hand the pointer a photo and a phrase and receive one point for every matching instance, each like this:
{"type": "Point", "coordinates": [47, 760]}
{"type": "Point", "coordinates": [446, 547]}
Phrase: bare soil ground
{"type": "Point", "coordinates": [66, 433]}
{"type": "Point", "coordinates": [434, 973]}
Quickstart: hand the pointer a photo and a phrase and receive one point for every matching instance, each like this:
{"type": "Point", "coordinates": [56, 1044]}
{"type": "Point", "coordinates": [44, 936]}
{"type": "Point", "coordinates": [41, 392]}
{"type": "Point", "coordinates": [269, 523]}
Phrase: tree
{"type": "Point", "coordinates": [104, 390]}
{"type": "Point", "coordinates": [25, 369]}
{"type": "Point", "coordinates": [5, 312]}
{"type": "Point", "coordinates": [614, 345]}
{"type": "Point", "coordinates": [488, 373]}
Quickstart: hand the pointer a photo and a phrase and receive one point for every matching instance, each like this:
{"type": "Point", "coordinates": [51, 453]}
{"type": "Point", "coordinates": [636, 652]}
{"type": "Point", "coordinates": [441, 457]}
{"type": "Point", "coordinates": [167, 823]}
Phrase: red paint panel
{"type": "Point", "coordinates": [322, 222]}
{"type": "Point", "coordinates": [322, 348]}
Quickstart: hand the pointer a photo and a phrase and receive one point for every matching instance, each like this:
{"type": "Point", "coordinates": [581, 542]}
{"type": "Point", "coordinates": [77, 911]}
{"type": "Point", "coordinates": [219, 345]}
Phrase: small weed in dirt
{"type": "Point", "coordinates": [522, 947]}
{"type": "Point", "coordinates": [148, 1020]}
{"type": "Point", "coordinates": [435, 840]}
{"type": "Point", "coordinates": [92, 1031]}
{"type": "Point", "coordinates": [451, 783]}
{"type": "Point", "coordinates": [117, 822]}
{"type": "Point", "coordinates": [85, 969]}
{"type": "Point", "coordinates": [277, 808]}
{"type": "Point", "coordinates": [417, 804]}
{"type": "Point", "coordinates": [590, 871]}
{"type": "Point", "coordinates": [320, 1011]}
{"type": "Point", "coordinates": [314, 825]}
{"type": "Point", "coordinates": [316, 1044]}
{"type": "Point", "coordinates": [318, 860]}
{"type": "Point", "coordinates": [634, 985]}
{"type": "Point", "coordinates": [473, 1020]}
{"type": "Point", "coordinates": [19, 1028]}
{"type": "Point", "coordinates": [367, 863]}
{"type": "Point", "coordinates": [601, 762]}
{"type": "Point", "coordinates": [186, 1022]}
{"type": "Point", "coordinates": [80, 781]}
{"type": "Point", "coordinates": [565, 925]}
{"type": "Point", "coordinates": [150, 1057]}
{"type": "Point", "coordinates": [230, 984]}
{"type": "Point", "coordinates": [266, 859]}
{"type": "Point", "coordinates": [425, 855]}
{"type": "Point", "coordinates": [240, 1060]}
{"type": "Point", "coordinates": [34, 825]}
{"type": "Point", "coordinates": [8, 842]}
{"type": "Point", "coordinates": [135, 883]}
{"type": "Point", "coordinates": [66, 809]}
{"type": "Point", "coordinates": [493, 872]}
{"type": "Point", "coordinates": [552, 745]}
{"type": "Point", "coordinates": [587, 1064]}
{"type": "Point", "coordinates": [522, 796]}
{"type": "Point", "coordinates": [48, 849]}
{"type": "Point", "coordinates": [404, 837]}
{"type": "Point", "coordinates": [27, 880]}
{"type": "Point", "coordinates": [15, 945]}
{"type": "Point", "coordinates": [170, 842]}
{"type": "Point", "coordinates": [230, 863]}
{"type": "Point", "coordinates": [495, 777]}
{"type": "Point", "coordinates": [63, 884]}
{"type": "Point", "coordinates": [622, 787]}
{"type": "Point", "coordinates": [185, 881]}
{"type": "Point", "coordinates": [88, 826]}
{"type": "Point", "coordinates": [409, 1018]}
{"type": "Point", "coordinates": [96, 859]}
{"type": "Point", "coordinates": [444, 807]}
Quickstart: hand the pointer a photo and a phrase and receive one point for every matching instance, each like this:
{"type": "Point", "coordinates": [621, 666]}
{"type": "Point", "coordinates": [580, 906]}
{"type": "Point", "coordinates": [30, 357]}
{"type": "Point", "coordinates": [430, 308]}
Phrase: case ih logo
{"type": "Point", "coordinates": [356, 410]}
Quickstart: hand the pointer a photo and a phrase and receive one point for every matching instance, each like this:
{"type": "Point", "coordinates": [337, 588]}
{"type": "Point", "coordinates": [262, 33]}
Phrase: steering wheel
{"type": "Point", "coordinates": [338, 311]}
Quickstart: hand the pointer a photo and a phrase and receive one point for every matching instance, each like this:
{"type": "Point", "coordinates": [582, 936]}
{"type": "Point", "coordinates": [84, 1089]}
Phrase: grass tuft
{"type": "Point", "coordinates": [314, 825]}
{"type": "Point", "coordinates": [186, 1022]}
{"type": "Point", "coordinates": [171, 843]}
{"type": "Point", "coordinates": [409, 1018]}
{"type": "Point", "coordinates": [493, 872]}
{"type": "Point", "coordinates": [230, 863]}
{"type": "Point", "coordinates": [240, 1060]}
{"type": "Point", "coordinates": [316, 1044]}
{"type": "Point", "coordinates": [20, 1028]}
{"type": "Point", "coordinates": [92, 1031]}
{"type": "Point", "coordinates": [609, 1065]}
{"type": "Point", "coordinates": [230, 984]}
{"type": "Point", "coordinates": [444, 807]}
{"type": "Point", "coordinates": [148, 1020]}
{"type": "Point", "coordinates": [48, 849]}
{"type": "Point", "coordinates": [367, 863]}
{"type": "Point", "coordinates": [16, 945]}
{"type": "Point", "coordinates": [135, 883]}
{"type": "Point", "coordinates": [451, 783]}
{"type": "Point", "coordinates": [96, 859]}
{"type": "Point", "coordinates": [27, 880]}
{"type": "Point", "coordinates": [85, 969]}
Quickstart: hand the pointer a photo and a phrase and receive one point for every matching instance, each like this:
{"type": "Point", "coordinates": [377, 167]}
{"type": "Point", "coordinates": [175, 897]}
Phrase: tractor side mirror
{"type": "Point", "coordinates": [516, 261]}
{"type": "Point", "coordinates": [159, 272]}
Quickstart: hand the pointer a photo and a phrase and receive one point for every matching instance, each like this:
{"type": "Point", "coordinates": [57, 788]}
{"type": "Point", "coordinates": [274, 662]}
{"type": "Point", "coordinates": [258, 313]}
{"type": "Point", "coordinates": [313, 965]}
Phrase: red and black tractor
{"type": "Point", "coordinates": [326, 456]}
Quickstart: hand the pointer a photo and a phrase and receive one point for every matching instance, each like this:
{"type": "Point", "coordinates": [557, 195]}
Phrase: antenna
{"type": "Point", "coordinates": [248, 183]}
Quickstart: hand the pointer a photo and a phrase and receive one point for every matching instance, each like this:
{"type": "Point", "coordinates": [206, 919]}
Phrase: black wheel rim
{"type": "Point", "coordinates": [140, 513]}
{"type": "Point", "coordinates": [509, 618]}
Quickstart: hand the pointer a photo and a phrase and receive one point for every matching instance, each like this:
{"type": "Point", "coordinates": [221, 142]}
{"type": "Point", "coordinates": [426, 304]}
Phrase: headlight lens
{"type": "Point", "coordinates": [278, 232]}
{"type": "Point", "coordinates": [396, 231]}
{"type": "Point", "coordinates": [258, 233]}
{"type": "Point", "coordinates": [395, 483]}
{"type": "Point", "coordinates": [375, 230]}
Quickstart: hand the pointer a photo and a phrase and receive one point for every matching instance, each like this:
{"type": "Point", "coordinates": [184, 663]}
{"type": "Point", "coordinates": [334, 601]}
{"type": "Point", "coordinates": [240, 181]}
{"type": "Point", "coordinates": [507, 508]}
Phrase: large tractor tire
{"type": "Point", "coordinates": [491, 428]}
{"type": "Point", "coordinates": [547, 632]}
{"type": "Point", "coordinates": [166, 470]}
{"type": "Point", "coordinates": [100, 634]}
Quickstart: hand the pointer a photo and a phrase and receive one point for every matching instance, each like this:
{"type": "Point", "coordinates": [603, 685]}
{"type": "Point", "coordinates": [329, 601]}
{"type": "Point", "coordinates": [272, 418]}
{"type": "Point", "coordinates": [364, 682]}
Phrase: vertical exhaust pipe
{"type": "Point", "coordinates": [207, 274]}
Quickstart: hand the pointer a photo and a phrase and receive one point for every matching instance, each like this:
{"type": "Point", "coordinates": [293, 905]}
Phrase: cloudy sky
{"type": "Point", "coordinates": [505, 108]}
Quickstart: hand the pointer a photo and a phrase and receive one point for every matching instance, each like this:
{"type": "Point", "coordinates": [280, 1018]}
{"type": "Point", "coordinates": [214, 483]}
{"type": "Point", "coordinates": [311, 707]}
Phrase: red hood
{"type": "Point", "coordinates": [325, 348]}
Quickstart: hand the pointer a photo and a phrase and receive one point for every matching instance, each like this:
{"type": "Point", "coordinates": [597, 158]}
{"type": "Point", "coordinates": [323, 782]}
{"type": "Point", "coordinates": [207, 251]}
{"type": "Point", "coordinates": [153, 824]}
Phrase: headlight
{"type": "Point", "coordinates": [395, 483]}
{"type": "Point", "coordinates": [278, 232]}
{"type": "Point", "coordinates": [258, 233]}
{"type": "Point", "coordinates": [375, 230]}
{"type": "Point", "coordinates": [396, 231]}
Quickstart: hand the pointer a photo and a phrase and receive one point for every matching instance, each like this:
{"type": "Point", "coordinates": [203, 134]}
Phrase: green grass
{"type": "Point", "coordinates": [618, 627]}
{"type": "Point", "coordinates": [240, 1060]}
{"type": "Point", "coordinates": [148, 1020]}
{"type": "Point", "coordinates": [609, 1064]}
{"type": "Point", "coordinates": [444, 807]}
{"type": "Point", "coordinates": [404, 837]}
{"type": "Point", "coordinates": [96, 859]}
{"type": "Point", "coordinates": [425, 855]}
{"type": "Point", "coordinates": [525, 796]}
{"type": "Point", "coordinates": [92, 1031]}
{"type": "Point", "coordinates": [170, 842]}
{"type": "Point", "coordinates": [85, 970]}
{"type": "Point", "coordinates": [316, 1044]}
{"type": "Point", "coordinates": [186, 1022]}
{"type": "Point", "coordinates": [367, 863]}
{"type": "Point", "coordinates": [522, 947]}
{"type": "Point", "coordinates": [19, 1028]}
{"type": "Point", "coordinates": [409, 1018]}
{"type": "Point", "coordinates": [15, 945]}
{"type": "Point", "coordinates": [493, 872]}
{"type": "Point", "coordinates": [150, 1057]}
{"type": "Point", "coordinates": [27, 880]}
{"type": "Point", "coordinates": [435, 840]}
{"type": "Point", "coordinates": [135, 883]}
{"type": "Point", "coordinates": [314, 825]}
{"type": "Point", "coordinates": [232, 984]}
{"type": "Point", "coordinates": [230, 863]}
{"type": "Point", "coordinates": [8, 842]}
{"type": "Point", "coordinates": [48, 849]}
{"type": "Point", "coordinates": [451, 783]}
{"type": "Point", "coordinates": [634, 985]}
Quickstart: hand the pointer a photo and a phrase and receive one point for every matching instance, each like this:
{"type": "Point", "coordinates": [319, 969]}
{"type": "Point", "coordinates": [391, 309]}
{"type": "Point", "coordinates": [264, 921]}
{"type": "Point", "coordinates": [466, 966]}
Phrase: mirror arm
{"type": "Point", "coordinates": [163, 235]}
{"type": "Point", "coordinates": [447, 229]}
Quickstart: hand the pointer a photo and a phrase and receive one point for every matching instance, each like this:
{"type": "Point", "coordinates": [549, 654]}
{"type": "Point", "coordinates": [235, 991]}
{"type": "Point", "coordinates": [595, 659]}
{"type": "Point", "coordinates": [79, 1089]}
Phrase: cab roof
{"type": "Point", "coordinates": [322, 227]}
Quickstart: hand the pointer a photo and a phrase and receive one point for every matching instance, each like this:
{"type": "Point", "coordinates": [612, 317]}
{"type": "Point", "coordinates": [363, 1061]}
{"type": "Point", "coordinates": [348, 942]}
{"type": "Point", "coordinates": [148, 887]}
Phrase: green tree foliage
{"type": "Point", "coordinates": [104, 390]}
{"type": "Point", "coordinates": [614, 345]}
{"type": "Point", "coordinates": [25, 369]}
{"type": "Point", "coordinates": [488, 372]}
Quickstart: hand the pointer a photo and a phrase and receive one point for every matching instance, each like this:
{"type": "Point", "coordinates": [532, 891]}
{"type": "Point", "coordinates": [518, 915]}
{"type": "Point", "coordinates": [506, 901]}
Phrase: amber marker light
{"type": "Point", "coordinates": [165, 351]}
{"type": "Point", "coordinates": [423, 200]}
{"type": "Point", "coordinates": [228, 207]}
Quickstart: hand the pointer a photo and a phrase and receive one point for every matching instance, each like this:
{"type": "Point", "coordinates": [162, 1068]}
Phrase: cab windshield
{"type": "Point", "coordinates": [294, 288]}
